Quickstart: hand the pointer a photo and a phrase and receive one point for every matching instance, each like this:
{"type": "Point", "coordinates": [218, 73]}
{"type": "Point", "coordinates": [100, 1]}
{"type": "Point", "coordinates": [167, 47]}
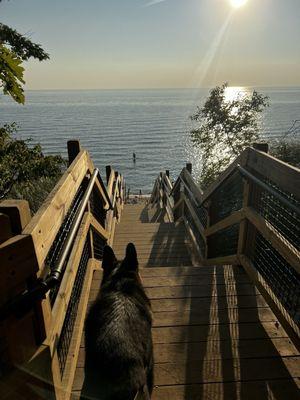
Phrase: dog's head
{"type": "Point", "coordinates": [111, 266]}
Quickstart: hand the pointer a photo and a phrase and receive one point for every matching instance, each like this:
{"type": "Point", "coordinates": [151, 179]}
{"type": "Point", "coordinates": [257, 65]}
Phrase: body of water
{"type": "Point", "coordinates": [114, 124]}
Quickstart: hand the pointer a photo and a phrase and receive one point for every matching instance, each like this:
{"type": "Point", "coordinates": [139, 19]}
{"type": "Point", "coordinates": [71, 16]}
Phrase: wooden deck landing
{"type": "Point", "coordinates": [214, 335]}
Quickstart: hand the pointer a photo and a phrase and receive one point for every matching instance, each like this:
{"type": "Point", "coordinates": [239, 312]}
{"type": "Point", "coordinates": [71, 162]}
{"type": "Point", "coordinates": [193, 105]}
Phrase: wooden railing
{"type": "Point", "coordinates": [47, 263]}
{"type": "Point", "coordinates": [251, 217]}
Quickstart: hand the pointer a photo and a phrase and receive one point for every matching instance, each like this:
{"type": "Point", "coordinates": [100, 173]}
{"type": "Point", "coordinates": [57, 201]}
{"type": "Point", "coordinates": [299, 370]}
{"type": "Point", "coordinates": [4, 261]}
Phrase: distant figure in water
{"type": "Point", "coordinates": [134, 158]}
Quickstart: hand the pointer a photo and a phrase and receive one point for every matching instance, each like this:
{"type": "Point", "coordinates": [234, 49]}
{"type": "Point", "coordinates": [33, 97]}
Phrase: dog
{"type": "Point", "coordinates": [118, 340]}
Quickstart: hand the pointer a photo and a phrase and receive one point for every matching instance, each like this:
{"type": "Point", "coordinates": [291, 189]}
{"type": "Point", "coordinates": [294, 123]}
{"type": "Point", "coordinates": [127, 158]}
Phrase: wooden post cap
{"type": "Point", "coordinates": [18, 212]}
{"type": "Point", "coordinates": [73, 150]}
{"type": "Point", "coordinates": [189, 167]}
{"type": "Point", "coordinates": [264, 147]}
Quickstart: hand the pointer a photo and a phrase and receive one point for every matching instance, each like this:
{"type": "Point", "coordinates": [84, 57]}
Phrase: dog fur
{"type": "Point", "coordinates": [118, 341]}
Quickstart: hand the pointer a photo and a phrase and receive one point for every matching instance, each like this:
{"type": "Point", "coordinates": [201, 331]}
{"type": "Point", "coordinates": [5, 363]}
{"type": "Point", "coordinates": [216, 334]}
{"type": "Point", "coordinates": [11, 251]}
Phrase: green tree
{"type": "Point", "coordinates": [25, 172]}
{"type": "Point", "coordinates": [224, 128]}
{"type": "Point", "coordinates": [14, 49]}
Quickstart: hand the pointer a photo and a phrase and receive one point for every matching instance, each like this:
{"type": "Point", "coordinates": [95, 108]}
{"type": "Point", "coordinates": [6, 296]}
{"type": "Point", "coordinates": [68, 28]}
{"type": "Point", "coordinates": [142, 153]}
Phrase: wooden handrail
{"type": "Point", "coordinates": [32, 246]}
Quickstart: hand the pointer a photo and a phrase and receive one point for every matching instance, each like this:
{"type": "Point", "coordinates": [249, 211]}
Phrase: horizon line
{"type": "Point", "coordinates": [296, 86]}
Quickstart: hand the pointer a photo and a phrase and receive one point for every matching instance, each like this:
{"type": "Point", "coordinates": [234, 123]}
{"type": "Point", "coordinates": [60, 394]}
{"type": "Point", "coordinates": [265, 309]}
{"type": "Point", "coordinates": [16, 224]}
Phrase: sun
{"type": "Point", "coordinates": [238, 3]}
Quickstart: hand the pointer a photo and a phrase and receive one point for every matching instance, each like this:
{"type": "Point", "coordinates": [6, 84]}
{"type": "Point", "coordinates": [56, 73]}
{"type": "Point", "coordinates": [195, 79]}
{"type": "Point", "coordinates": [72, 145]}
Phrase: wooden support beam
{"type": "Point", "coordinates": [232, 219]}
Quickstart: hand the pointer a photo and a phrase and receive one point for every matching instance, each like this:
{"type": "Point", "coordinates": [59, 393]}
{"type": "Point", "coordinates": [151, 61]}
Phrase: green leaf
{"type": "Point", "coordinates": [11, 74]}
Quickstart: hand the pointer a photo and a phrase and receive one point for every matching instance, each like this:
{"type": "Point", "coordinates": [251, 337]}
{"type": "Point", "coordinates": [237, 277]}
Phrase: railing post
{"type": "Point", "coordinates": [168, 173]}
{"type": "Point", "coordinates": [18, 212]}
{"type": "Point", "coordinates": [243, 224]}
{"type": "Point", "coordinates": [108, 172]}
{"type": "Point", "coordinates": [5, 231]}
{"type": "Point", "coordinates": [189, 167]}
{"type": "Point", "coordinates": [20, 336]}
{"type": "Point", "coordinates": [264, 147]}
{"type": "Point", "coordinates": [73, 150]}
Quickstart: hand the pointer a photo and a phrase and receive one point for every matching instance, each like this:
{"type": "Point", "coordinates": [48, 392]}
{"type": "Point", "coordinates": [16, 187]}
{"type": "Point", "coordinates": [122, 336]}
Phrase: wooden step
{"type": "Point", "coordinates": [214, 337]}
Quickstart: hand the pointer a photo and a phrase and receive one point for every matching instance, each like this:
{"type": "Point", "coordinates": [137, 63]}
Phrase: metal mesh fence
{"type": "Point", "coordinates": [284, 218]}
{"type": "Point", "coordinates": [224, 242]}
{"type": "Point", "coordinates": [278, 273]}
{"type": "Point", "coordinates": [97, 207]}
{"type": "Point", "coordinates": [227, 198]}
{"type": "Point", "coordinates": [68, 326]}
{"type": "Point", "coordinates": [98, 244]}
{"type": "Point", "coordinates": [59, 241]}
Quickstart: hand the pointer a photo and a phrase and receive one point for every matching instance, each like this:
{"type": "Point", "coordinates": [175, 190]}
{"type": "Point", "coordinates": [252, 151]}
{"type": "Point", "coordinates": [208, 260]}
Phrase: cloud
{"type": "Point", "coordinates": [153, 2]}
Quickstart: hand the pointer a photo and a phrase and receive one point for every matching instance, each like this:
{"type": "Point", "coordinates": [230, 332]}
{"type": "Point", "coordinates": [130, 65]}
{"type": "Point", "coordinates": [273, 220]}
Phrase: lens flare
{"type": "Point", "coordinates": [238, 3]}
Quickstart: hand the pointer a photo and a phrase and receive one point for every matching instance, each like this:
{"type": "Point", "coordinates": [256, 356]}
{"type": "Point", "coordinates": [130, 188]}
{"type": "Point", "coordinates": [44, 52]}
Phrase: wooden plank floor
{"type": "Point", "coordinates": [214, 335]}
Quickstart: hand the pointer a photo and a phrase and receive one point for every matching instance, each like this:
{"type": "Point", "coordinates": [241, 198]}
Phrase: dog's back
{"type": "Point", "coordinates": [119, 355]}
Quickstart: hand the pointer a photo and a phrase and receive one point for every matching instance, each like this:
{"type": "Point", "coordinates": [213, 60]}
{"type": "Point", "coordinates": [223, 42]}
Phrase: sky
{"type": "Point", "coordinates": [118, 44]}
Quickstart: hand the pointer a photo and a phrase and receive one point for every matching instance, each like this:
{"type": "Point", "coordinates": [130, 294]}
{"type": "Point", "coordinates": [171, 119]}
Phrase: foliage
{"type": "Point", "coordinates": [24, 170]}
{"type": "Point", "coordinates": [21, 164]}
{"type": "Point", "coordinates": [226, 128]}
{"type": "Point", "coordinates": [11, 74]}
{"type": "Point", "coordinates": [14, 49]}
{"type": "Point", "coordinates": [21, 46]}
{"type": "Point", "coordinates": [287, 151]}
{"type": "Point", "coordinates": [35, 191]}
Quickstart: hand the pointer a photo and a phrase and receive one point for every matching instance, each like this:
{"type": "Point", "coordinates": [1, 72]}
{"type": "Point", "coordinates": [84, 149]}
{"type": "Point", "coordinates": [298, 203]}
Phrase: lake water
{"type": "Point", "coordinates": [114, 124]}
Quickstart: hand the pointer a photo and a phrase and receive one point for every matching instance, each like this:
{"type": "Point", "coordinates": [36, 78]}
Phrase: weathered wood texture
{"type": "Point", "coordinates": [214, 335]}
{"type": "Point", "coordinates": [158, 244]}
{"type": "Point", "coordinates": [216, 338]}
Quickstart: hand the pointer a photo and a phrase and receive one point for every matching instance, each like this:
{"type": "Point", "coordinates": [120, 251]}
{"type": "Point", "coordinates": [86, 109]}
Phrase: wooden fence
{"type": "Point", "coordinates": [251, 217]}
{"type": "Point", "coordinates": [46, 268]}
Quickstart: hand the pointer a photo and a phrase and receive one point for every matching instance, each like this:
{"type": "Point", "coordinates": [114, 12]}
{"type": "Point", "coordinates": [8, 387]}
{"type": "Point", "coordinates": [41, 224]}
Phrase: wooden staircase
{"type": "Point", "coordinates": [157, 243]}
{"type": "Point", "coordinates": [214, 335]}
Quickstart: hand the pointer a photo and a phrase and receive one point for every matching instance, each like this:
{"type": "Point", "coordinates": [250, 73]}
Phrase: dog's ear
{"type": "Point", "coordinates": [130, 259]}
{"type": "Point", "coordinates": [109, 259]}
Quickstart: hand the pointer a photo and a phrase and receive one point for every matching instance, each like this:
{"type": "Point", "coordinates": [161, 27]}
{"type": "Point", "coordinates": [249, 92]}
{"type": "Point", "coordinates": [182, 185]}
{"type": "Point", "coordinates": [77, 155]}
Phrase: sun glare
{"type": "Point", "coordinates": [238, 3]}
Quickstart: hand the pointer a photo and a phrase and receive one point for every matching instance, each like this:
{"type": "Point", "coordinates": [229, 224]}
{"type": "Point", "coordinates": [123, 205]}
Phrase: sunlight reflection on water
{"type": "Point", "coordinates": [112, 125]}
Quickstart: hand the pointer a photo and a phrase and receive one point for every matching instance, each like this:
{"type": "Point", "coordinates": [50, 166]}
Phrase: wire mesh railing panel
{"type": "Point", "coordinates": [202, 214]}
{"type": "Point", "coordinates": [61, 237]}
{"type": "Point", "coordinates": [280, 276]}
{"type": "Point", "coordinates": [224, 242]}
{"type": "Point", "coordinates": [195, 230]}
{"type": "Point", "coordinates": [227, 198]}
{"type": "Point", "coordinates": [98, 244]}
{"type": "Point", "coordinates": [284, 218]}
{"type": "Point", "coordinates": [97, 207]}
{"type": "Point", "coordinates": [71, 314]}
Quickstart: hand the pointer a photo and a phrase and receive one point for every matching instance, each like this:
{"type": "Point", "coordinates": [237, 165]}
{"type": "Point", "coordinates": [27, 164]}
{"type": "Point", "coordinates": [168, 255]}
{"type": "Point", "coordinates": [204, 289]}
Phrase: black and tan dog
{"type": "Point", "coordinates": [118, 341]}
